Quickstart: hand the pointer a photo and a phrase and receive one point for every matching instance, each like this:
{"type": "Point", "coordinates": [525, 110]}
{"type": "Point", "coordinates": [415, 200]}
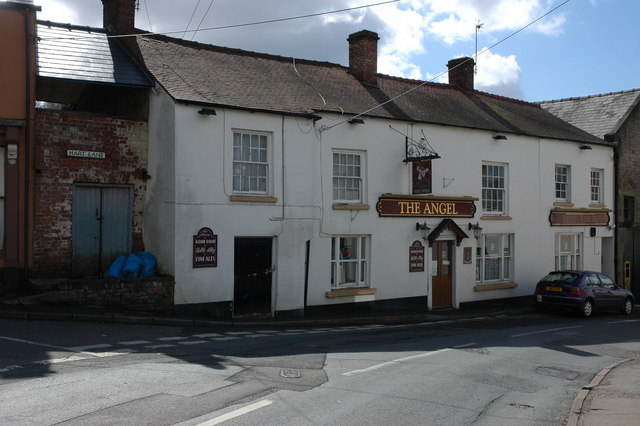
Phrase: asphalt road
{"type": "Point", "coordinates": [520, 369]}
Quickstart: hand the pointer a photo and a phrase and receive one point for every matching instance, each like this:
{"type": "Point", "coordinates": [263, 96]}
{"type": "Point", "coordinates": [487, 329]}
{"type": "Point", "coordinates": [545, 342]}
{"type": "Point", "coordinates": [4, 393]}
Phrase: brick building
{"type": "Point", "coordinates": [90, 152]}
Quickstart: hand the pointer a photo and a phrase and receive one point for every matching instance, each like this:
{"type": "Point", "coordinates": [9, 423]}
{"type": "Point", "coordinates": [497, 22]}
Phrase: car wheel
{"type": "Point", "coordinates": [586, 309]}
{"type": "Point", "coordinates": [627, 307]}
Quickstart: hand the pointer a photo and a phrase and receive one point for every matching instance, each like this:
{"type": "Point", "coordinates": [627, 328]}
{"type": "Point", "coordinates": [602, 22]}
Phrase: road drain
{"type": "Point", "coordinates": [290, 373]}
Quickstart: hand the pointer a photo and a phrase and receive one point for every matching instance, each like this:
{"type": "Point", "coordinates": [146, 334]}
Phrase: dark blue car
{"type": "Point", "coordinates": [582, 291]}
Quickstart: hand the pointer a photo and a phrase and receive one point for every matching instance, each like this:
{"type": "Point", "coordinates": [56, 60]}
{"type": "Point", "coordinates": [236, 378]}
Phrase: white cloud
{"type": "Point", "coordinates": [57, 11]}
{"type": "Point", "coordinates": [498, 74]}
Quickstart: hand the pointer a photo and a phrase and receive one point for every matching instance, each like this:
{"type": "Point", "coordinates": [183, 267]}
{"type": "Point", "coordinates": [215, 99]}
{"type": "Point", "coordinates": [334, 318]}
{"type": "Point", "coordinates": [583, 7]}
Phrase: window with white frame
{"type": "Point", "coordinates": [251, 162]}
{"type": "Point", "coordinates": [349, 261]}
{"type": "Point", "coordinates": [562, 180]}
{"type": "Point", "coordinates": [568, 251]}
{"type": "Point", "coordinates": [494, 258]}
{"type": "Point", "coordinates": [494, 188]}
{"type": "Point", "coordinates": [597, 181]}
{"type": "Point", "coordinates": [347, 176]}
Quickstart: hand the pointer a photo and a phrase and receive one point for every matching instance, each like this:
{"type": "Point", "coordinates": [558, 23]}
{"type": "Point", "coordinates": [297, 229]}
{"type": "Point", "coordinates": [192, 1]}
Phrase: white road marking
{"type": "Point", "coordinates": [207, 335]}
{"type": "Point", "coordinates": [622, 321]}
{"type": "Point", "coordinates": [236, 413]}
{"type": "Point", "coordinates": [169, 339]}
{"type": "Point", "coordinates": [550, 330]}
{"type": "Point", "coordinates": [193, 342]}
{"type": "Point", "coordinates": [134, 342]}
{"type": "Point", "coordinates": [160, 346]}
{"type": "Point", "coordinates": [29, 342]}
{"type": "Point", "coordinates": [408, 358]}
{"type": "Point", "coordinates": [84, 348]}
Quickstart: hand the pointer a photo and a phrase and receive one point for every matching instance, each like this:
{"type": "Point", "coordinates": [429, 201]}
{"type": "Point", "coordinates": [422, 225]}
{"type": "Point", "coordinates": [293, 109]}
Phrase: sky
{"type": "Point", "coordinates": [582, 48]}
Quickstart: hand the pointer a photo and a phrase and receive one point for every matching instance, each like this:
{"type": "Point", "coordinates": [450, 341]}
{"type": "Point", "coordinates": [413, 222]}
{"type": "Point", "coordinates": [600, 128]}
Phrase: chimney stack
{"type": "Point", "coordinates": [363, 56]}
{"type": "Point", "coordinates": [118, 16]}
{"type": "Point", "coordinates": [461, 73]}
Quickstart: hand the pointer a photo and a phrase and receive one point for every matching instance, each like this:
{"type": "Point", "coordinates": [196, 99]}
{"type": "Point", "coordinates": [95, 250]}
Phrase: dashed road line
{"type": "Point", "coordinates": [236, 413]}
{"type": "Point", "coordinates": [549, 330]}
{"type": "Point", "coordinates": [133, 342]}
{"type": "Point", "coordinates": [408, 358]}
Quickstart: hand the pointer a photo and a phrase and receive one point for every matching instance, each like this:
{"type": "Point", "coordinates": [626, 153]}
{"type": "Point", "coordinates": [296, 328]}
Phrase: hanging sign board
{"type": "Point", "coordinates": [416, 257]}
{"type": "Point", "coordinates": [205, 249]}
{"type": "Point", "coordinates": [407, 206]}
{"type": "Point", "coordinates": [421, 174]}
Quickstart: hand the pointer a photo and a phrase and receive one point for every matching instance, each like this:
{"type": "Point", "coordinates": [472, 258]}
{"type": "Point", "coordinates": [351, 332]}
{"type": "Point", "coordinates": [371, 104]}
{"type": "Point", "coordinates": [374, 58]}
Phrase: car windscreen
{"type": "Point", "coordinates": [561, 277]}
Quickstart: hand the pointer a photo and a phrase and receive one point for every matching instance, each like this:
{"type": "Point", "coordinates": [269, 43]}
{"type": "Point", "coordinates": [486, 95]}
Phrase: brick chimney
{"type": "Point", "coordinates": [363, 56]}
{"type": "Point", "coordinates": [461, 73]}
{"type": "Point", "coordinates": [118, 16]}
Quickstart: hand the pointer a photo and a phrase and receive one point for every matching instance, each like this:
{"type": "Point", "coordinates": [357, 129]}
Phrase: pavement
{"type": "Point", "coordinates": [612, 398]}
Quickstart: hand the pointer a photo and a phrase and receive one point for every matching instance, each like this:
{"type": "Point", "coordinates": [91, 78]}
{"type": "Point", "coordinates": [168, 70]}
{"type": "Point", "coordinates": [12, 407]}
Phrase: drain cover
{"type": "Point", "coordinates": [290, 373]}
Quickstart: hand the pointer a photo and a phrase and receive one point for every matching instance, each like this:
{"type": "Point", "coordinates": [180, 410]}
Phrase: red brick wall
{"type": "Point", "coordinates": [363, 56]}
{"type": "Point", "coordinates": [124, 143]}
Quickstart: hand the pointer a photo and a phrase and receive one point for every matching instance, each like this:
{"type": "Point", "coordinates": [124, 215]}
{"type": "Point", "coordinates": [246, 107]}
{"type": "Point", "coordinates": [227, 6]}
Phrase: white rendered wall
{"type": "Point", "coordinates": [196, 184]}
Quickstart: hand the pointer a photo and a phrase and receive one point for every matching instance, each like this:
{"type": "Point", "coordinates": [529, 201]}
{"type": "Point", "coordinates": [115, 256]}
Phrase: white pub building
{"type": "Point", "coordinates": [282, 185]}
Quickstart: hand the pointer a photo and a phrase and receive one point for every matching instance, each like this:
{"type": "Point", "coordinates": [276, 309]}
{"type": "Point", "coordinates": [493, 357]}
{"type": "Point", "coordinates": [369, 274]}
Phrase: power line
{"type": "Point", "coordinates": [323, 128]}
{"type": "Point", "coordinates": [246, 24]}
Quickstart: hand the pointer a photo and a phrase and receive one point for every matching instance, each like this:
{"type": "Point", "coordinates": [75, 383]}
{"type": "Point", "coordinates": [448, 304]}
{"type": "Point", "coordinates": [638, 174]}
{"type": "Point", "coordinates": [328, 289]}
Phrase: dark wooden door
{"type": "Point", "coordinates": [252, 282]}
{"type": "Point", "coordinates": [442, 274]}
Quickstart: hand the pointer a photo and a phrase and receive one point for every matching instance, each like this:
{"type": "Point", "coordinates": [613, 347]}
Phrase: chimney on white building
{"type": "Point", "coordinates": [461, 72]}
{"type": "Point", "coordinates": [363, 56]}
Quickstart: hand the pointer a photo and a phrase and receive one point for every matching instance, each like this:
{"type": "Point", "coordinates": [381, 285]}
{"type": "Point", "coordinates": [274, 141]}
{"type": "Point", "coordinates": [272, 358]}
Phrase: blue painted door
{"type": "Point", "coordinates": [102, 216]}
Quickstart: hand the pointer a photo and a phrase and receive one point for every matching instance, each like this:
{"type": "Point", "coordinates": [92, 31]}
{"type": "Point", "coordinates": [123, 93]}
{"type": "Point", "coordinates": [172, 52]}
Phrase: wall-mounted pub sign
{"type": "Point", "coordinates": [205, 249]}
{"type": "Point", "coordinates": [421, 174]}
{"type": "Point", "coordinates": [416, 257]}
{"type": "Point", "coordinates": [425, 206]}
{"type": "Point", "coordinates": [579, 217]}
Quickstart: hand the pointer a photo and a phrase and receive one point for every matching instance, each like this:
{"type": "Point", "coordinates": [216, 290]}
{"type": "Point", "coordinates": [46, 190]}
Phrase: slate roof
{"type": "Point", "coordinates": [84, 54]}
{"type": "Point", "coordinates": [598, 114]}
{"type": "Point", "coordinates": [217, 76]}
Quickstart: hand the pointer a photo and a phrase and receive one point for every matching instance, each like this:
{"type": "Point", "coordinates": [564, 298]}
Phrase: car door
{"type": "Point", "coordinates": [593, 283]}
{"type": "Point", "coordinates": [613, 294]}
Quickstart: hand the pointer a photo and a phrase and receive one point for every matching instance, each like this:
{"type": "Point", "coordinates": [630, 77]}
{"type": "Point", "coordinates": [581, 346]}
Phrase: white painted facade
{"type": "Point", "coordinates": [191, 162]}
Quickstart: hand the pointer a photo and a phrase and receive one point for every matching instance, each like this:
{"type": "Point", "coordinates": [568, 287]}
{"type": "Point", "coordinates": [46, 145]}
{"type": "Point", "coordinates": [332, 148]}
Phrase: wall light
{"type": "Point", "coordinates": [424, 230]}
{"type": "Point", "coordinates": [500, 137]}
{"type": "Point", "coordinates": [477, 229]}
{"type": "Point", "coordinates": [585, 147]}
{"type": "Point", "coordinates": [356, 121]}
{"type": "Point", "coordinates": [207, 111]}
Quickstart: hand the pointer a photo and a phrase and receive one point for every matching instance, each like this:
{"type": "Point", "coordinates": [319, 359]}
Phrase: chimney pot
{"type": "Point", "coordinates": [363, 56]}
{"type": "Point", "coordinates": [461, 73]}
{"type": "Point", "coordinates": [118, 16]}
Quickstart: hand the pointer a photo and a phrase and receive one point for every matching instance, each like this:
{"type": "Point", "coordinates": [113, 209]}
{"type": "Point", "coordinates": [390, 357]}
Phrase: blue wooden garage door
{"type": "Point", "coordinates": [102, 216]}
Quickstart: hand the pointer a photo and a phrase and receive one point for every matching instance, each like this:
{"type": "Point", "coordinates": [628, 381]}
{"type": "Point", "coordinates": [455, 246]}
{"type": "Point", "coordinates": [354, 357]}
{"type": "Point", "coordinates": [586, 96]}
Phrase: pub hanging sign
{"type": "Point", "coordinates": [205, 249]}
{"type": "Point", "coordinates": [407, 206]}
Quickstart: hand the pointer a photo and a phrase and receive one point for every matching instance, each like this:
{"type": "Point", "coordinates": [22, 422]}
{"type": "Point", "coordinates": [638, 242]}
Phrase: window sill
{"type": "Point", "coordinates": [496, 218]}
{"type": "Point", "coordinates": [253, 199]}
{"type": "Point", "coordinates": [495, 286]}
{"type": "Point", "coordinates": [563, 204]}
{"type": "Point", "coordinates": [338, 206]}
{"type": "Point", "coordinates": [353, 291]}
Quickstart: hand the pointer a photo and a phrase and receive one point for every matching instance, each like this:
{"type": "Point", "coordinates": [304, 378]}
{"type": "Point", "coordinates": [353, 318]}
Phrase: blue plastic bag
{"type": "Point", "coordinates": [115, 270]}
{"type": "Point", "coordinates": [132, 266]}
{"type": "Point", "coordinates": [149, 262]}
